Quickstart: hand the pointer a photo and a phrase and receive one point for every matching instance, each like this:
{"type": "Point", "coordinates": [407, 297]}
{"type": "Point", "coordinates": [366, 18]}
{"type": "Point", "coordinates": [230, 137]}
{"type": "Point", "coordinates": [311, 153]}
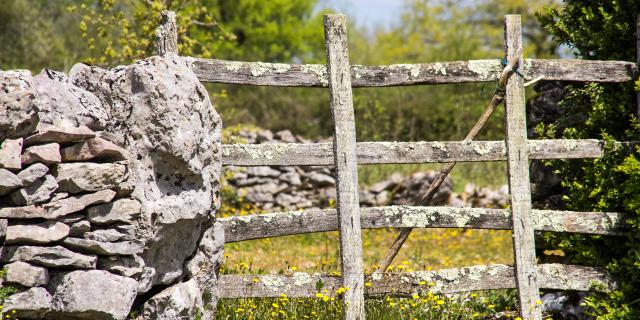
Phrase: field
{"type": "Point", "coordinates": [426, 249]}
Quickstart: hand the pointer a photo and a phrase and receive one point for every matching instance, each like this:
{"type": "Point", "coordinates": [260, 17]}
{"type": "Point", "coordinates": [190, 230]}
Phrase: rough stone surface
{"type": "Point", "coordinates": [93, 149]}
{"type": "Point", "coordinates": [62, 102]}
{"type": "Point", "coordinates": [10, 151]}
{"type": "Point", "coordinates": [57, 257]}
{"type": "Point", "coordinates": [105, 235]}
{"type": "Point", "coordinates": [33, 173]}
{"type": "Point", "coordinates": [79, 228]}
{"type": "Point", "coordinates": [93, 294]}
{"type": "Point", "coordinates": [38, 192]}
{"type": "Point", "coordinates": [25, 274]}
{"type": "Point", "coordinates": [205, 264]}
{"type": "Point", "coordinates": [104, 248]}
{"type": "Point", "coordinates": [46, 153]}
{"type": "Point", "coordinates": [128, 266]}
{"type": "Point", "coordinates": [41, 233]}
{"type": "Point", "coordinates": [162, 116]}
{"type": "Point", "coordinates": [8, 181]}
{"type": "Point", "coordinates": [87, 176]}
{"type": "Point", "coordinates": [123, 210]}
{"type": "Point", "coordinates": [181, 301]}
{"type": "Point", "coordinates": [34, 303]}
{"type": "Point", "coordinates": [18, 104]}
{"type": "Point", "coordinates": [60, 208]}
{"type": "Point", "coordinates": [59, 135]}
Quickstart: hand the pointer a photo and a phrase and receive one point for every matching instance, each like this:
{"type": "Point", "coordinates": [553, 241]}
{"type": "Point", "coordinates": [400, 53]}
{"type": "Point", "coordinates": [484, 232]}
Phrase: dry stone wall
{"type": "Point", "coordinates": [273, 188]}
{"type": "Point", "coordinates": [108, 191]}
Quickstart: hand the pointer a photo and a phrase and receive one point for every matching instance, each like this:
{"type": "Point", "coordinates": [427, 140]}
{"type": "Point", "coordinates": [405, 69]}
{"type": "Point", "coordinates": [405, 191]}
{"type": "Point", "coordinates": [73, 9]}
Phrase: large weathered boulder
{"type": "Point", "coordinates": [93, 294]}
{"type": "Point", "coordinates": [161, 114]}
{"type": "Point", "coordinates": [19, 104]}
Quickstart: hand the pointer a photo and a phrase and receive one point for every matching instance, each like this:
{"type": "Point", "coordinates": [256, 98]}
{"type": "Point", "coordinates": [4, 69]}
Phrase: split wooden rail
{"type": "Point", "coordinates": [345, 154]}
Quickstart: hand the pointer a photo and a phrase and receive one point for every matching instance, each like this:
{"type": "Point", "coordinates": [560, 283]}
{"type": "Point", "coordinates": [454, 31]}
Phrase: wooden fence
{"type": "Point", "coordinates": [345, 154]}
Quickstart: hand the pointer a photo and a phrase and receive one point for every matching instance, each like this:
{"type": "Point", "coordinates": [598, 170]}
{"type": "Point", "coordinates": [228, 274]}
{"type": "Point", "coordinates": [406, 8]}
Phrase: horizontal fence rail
{"type": "Point", "coordinates": [475, 278]}
{"type": "Point", "coordinates": [307, 154]}
{"type": "Point", "coordinates": [315, 75]}
{"type": "Point", "coordinates": [277, 224]}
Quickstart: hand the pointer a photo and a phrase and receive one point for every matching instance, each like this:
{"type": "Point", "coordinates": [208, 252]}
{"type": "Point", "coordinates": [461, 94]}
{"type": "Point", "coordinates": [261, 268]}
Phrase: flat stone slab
{"type": "Point", "coordinates": [26, 274]}
{"type": "Point", "coordinates": [94, 294]}
{"type": "Point", "coordinates": [41, 233]}
{"type": "Point", "coordinates": [34, 303]}
{"type": "Point", "coordinates": [3, 230]}
{"type": "Point", "coordinates": [10, 151]}
{"type": "Point", "coordinates": [47, 153]}
{"type": "Point", "coordinates": [32, 173]}
{"type": "Point", "coordinates": [38, 192]}
{"type": "Point", "coordinates": [105, 248]}
{"type": "Point", "coordinates": [60, 208]}
{"type": "Point", "coordinates": [60, 135]}
{"type": "Point", "coordinates": [93, 149]}
{"type": "Point", "coordinates": [56, 257]}
{"type": "Point", "coordinates": [86, 176]}
{"type": "Point", "coordinates": [122, 210]}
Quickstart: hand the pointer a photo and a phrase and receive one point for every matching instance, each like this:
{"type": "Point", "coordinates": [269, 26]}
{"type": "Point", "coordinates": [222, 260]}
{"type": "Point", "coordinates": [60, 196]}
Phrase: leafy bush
{"type": "Point", "coordinates": [604, 31]}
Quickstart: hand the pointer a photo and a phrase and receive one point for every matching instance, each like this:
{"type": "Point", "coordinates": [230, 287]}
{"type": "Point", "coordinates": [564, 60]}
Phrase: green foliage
{"type": "Point", "coordinates": [601, 30]}
{"type": "Point", "coordinates": [37, 34]}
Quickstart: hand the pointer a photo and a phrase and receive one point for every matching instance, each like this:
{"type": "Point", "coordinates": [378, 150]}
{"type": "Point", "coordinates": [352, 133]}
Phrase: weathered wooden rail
{"type": "Point", "coordinates": [345, 154]}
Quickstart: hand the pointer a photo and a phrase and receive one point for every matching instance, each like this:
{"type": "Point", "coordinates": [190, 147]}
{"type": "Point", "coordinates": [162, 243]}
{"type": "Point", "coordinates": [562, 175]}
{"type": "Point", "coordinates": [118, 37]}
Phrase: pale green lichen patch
{"type": "Point", "coordinates": [233, 66]}
{"type": "Point", "coordinates": [273, 283]}
{"type": "Point", "coordinates": [440, 146]}
{"type": "Point", "coordinates": [376, 276]}
{"type": "Point", "coordinates": [439, 68]}
{"type": "Point", "coordinates": [413, 69]}
{"type": "Point", "coordinates": [486, 69]}
{"type": "Point", "coordinates": [482, 148]}
{"type": "Point", "coordinates": [317, 69]}
{"type": "Point", "coordinates": [268, 151]}
{"type": "Point", "coordinates": [245, 219]}
{"type": "Point", "coordinates": [301, 278]}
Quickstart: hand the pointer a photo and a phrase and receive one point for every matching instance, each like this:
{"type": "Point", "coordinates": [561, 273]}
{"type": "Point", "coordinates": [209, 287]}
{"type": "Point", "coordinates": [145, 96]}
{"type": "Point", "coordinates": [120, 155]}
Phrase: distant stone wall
{"type": "Point", "coordinates": [108, 191]}
{"type": "Point", "coordinates": [272, 188]}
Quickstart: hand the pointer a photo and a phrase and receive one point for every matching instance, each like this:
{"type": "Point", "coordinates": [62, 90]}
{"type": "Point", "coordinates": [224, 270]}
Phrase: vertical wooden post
{"type": "Point", "coordinates": [344, 151]}
{"type": "Point", "coordinates": [167, 34]}
{"type": "Point", "coordinates": [519, 188]}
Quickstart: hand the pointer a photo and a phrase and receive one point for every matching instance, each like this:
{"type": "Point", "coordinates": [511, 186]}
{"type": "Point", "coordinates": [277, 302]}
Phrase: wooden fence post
{"type": "Point", "coordinates": [519, 188]}
{"type": "Point", "coordinates": [167, 34]}
{"type": "Point", "coordinates": [344, 150]}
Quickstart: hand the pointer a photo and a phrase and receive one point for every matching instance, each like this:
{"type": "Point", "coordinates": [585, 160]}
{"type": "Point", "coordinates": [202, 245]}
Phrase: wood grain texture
{"type": "Point", "coordinates": [279, 224]}
{"type": "Point", "coordinates": [167, 34]}
{"type": "Point", "coordinates": [301, 154]}
{"type": "Point", "coordinates": [344, 152]}
{"type": "Point", "coordinates": [519, 184]}
{"type": "Point", "coordinates": [475, 278]}
{"type": "Point", "coordinates": [315, 75]}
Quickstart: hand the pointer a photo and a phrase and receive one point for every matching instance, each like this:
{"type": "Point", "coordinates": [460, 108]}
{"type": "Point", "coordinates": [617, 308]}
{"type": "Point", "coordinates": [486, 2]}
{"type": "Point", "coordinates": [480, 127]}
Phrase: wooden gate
{"type": "Point", "coordinates": [345, 154]}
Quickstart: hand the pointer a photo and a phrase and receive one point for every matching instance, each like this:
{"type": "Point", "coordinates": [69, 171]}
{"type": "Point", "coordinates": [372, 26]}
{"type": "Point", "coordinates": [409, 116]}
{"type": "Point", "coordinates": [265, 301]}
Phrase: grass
{"type": "Point", "coordinates": [426, 249]}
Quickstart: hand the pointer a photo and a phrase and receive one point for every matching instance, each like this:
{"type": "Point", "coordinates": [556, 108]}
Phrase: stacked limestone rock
{"type": "Point", "coordinates": [108, 192]}
{"type": "Point", "coordinates": [274, 188]}
{"type": "Point", "coordinates": [61, 192]}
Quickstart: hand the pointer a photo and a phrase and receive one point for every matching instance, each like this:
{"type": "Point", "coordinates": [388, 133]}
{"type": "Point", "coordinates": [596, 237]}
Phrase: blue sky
{"type": "Point", "coordinates": [370, 13]}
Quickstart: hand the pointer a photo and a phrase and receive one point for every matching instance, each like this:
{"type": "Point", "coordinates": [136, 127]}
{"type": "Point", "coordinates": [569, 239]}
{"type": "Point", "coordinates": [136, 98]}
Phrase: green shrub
{"type": "Point", "coordinates": [603, 31]}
